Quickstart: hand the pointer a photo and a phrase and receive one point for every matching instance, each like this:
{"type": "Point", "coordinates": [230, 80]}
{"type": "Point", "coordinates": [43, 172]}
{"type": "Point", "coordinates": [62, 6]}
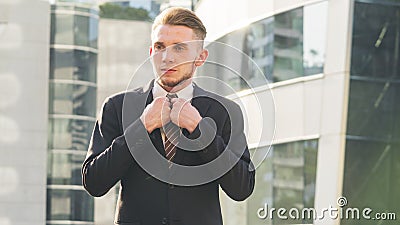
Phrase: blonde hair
{"type": "Point", "coordinates": [179, 16]}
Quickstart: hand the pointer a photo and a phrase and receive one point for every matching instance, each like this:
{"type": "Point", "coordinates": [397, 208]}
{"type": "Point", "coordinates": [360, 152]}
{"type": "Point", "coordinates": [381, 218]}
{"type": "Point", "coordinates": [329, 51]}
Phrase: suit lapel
{"type": "Point", "coordinates": [147, 96]}
{"type": "Point", "coordinates": [201, 100]}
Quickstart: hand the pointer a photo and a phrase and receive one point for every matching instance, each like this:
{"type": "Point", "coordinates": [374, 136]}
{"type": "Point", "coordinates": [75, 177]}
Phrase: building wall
{"type": "Point", "coordinates": [24, 66]}
{"type": "Point", "coordinates": [123, 48]}
{"type": "Point", "coordinates": [312, 106]}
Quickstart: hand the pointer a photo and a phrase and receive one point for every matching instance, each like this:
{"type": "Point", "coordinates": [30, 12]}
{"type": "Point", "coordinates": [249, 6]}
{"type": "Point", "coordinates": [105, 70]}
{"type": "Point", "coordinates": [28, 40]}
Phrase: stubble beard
{"type": "Point", "coordinates": [172, 84]}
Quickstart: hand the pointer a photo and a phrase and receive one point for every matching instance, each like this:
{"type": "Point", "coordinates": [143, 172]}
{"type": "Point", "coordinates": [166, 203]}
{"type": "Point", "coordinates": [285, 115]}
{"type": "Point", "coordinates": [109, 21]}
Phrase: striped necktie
{"type": "Point", "coordinates": [172, 133]}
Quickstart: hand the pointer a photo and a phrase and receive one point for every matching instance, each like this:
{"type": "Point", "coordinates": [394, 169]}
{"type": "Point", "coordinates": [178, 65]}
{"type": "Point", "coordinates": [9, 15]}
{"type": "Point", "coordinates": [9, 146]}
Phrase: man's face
{"type": "Point", "coordinates": [175, 55]}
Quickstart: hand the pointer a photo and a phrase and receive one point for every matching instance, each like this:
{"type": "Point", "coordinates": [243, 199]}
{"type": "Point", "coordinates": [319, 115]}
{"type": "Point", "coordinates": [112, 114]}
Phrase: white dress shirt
{"type": "Point", "coordinates": [186, 93]}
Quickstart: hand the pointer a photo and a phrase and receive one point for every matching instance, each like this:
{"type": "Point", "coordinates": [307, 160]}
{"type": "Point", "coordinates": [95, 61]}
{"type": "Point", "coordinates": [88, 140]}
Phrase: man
{"type": "Point", "coordinates": [133, 127]}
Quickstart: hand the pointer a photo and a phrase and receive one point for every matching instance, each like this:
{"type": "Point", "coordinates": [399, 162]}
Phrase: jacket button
{"type": "Point", "coordinates": [164, 221]}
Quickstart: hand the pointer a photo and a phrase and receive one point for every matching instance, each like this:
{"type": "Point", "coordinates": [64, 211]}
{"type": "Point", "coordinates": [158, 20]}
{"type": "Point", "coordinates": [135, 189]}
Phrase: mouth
{"type": "Point", "coordinates": [168, 71]}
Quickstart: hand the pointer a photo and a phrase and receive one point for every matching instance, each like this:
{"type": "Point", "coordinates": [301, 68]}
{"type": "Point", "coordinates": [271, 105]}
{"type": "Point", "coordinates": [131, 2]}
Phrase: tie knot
{"type": "Point", "coordinates": [171, 96]}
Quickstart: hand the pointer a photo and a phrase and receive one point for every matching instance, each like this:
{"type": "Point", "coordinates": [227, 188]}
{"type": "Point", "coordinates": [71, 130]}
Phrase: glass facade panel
{"type": "Point", "coordinates": [288, 45]}
{"type": "Point", "coordinates": [81, 29]}
{"type": "Point", "coordinates": [69, 134]}
{"type": "Point", "coordinates": [284, 46]}
{"type": "Point", "coordinates": [294, 167]}
{"type": "Point", "coordinates": [262, 193]}
{"type": "Point", "coordinates": [69, 29]}
{"type": "Point", "coordinates": [73, 65]}
{"type": "Point", "coordinates": [372, 160]}
{"type": "Point", "coordinates": [258, 45]}
{"type": "Point", "coordinates": [93, 31]}
{"type": "Point", "coordinates": [64, 168]}
{"type": "Point", "coordinates": [72, 111]}
{"type": "Point", "coordinates": [314, 37]}
{"type": "Point", "coordinates": [69, 205]}
{"type": "Point", "coordinates": [62, 29]}
{"type": "Point", "coordinates": [285, 179]}
{"type": "Point", "coordinates": [72, 99]}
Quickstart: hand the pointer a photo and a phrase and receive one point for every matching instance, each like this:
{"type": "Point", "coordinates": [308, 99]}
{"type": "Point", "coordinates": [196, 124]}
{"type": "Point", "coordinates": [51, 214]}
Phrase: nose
{"type": "Point", "coordinates": [167, 56]}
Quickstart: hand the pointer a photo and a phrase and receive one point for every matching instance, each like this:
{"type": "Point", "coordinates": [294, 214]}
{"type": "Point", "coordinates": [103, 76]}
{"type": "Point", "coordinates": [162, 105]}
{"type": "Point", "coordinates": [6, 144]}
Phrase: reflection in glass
{"type": "Point", "coordinates": [285, 179]}
{"type": "Point", "coordinates": [72, 108]}
{"type": "Point", "coordinates": [69, 29]}
{"type": "Point", "coordinates": [69, 205]}
{"type": "Point", "coordinates": [64, 168]}
{"type": "Point", "coordinates": [72, 99]}
{"type": "Point", "coordinates": [258, 45]}
{"type": "Point", "coordinates": [372, 160]}
{"type": "Point", "coordinates": [69, 134]}
{"type": "Point", "coordinates": [62, 29]}
{"type": "Point", "coordinates": [288, 40]}
{"type": "Point", "coordinates": [284, 46]}
{"type": "Point", "coordinates": [73, 65]}
{"type": "Point", "coordinates": [294, 167]}
{"type": "Point", "coordinates": [262, 193]}
{"type": "Point", "coordinates": [314, 37]}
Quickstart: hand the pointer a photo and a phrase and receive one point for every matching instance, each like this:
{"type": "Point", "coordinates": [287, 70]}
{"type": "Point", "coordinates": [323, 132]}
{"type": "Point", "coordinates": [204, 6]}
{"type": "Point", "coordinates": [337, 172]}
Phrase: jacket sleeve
{"type": "Point", "coordinates": [238, 183]}
{"type": "Point", "coordinates": [108, 156]}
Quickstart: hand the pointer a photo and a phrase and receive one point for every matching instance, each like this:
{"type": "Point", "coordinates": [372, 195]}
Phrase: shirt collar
{"type": "Point", "coordinates": [186, 93]}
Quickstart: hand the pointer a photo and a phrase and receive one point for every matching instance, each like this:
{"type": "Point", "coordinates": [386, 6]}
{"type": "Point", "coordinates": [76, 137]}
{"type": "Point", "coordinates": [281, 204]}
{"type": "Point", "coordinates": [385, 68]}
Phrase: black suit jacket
{"type": "Point", "coordinates": [144, 199]}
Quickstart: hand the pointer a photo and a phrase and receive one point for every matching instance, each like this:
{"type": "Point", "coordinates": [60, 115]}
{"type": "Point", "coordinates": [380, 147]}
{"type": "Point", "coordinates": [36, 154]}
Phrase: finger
{"type": "Point", "coordinates": [173, 100]}
{"type": "Point", "coordinates": [179, 103]}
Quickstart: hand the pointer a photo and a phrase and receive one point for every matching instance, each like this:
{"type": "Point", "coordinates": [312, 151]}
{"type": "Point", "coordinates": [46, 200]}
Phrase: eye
{"type": "Point", "coordinates": [158, 47]}
{"type": "Point", "coordinates": [179, 48]}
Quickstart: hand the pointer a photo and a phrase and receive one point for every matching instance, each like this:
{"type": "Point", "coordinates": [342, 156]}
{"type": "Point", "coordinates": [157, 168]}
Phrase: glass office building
{"type": "Point", "coordinates": [333, 68]}
{"type": "Point", "coordinates": [283, 47]}
{"type": "Point", "coordinates": [72, 110]}
{"type": "Point", "coordinates": [372, 165]}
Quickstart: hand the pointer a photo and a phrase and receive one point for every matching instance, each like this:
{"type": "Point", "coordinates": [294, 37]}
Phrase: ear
{"type": "Point", "coordinates": [201, 59]}
{"type": "Point", "coordinates": [150, 50]}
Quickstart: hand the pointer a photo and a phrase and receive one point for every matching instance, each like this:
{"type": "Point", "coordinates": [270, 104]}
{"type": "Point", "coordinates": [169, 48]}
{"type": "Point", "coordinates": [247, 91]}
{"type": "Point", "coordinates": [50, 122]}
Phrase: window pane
{"type": "Point", "coordinates": [372, 160]}
{"type": "Point", "coordinates": [258, 44]}
{"type": "Point", "coordinates": [74, 30]}
{"type": "Point", "coordinates": [62, 29]}
{"type": "Point", "coordinates": [64, 168]}
{"type": "Point", "coordinates": [375, 50]}
{"type": "Point", "coordinates": [314, 37]}
{"type": "Point", "coordinates": [288, 45]}
{"type": "Point", "coordinates": [374, 110]}
{"type": "Point", "coordinates": [285, 179]}
{"type": "Point", "coordinates": [69, 134]}
{"type": "Point", "coordinates": [72, 99]}
{"type": "Point", "coordinates": [372, 171]}
{"type": "Point", "coordinates": [262, 193]}
{"type": "Point", "coordinates": [73, 65]}
{"type": "Point", "coordinates": [93, 32]}
{"type": "Point", "coordinates": [81, 30]}
{"type": "Point", "coordinates": [73, 205]}
{"type": "Point", "coordinates": [284, 46]}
